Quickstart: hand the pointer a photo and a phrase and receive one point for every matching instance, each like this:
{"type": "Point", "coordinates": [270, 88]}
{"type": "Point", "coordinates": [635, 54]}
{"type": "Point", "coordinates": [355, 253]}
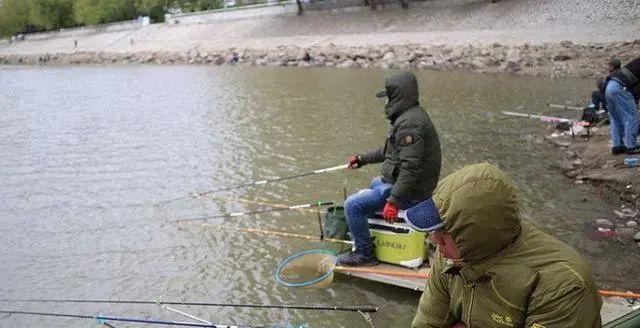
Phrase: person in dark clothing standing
{"type": "Point", "coordinates": [596, 111]}
{"type": "Point", "coordinates": [621, 89]}
{"type": "Point", "coordinates": [613, 65]}
{"type": "Point", "coordinates": [410, 169]}
{"type": "Point", "coordinates": [597, 96]}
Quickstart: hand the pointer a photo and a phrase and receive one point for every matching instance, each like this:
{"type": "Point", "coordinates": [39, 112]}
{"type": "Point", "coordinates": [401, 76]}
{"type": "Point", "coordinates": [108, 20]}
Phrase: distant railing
{"type": "Point", "coordinates": [256, 10]}
{"type": "Point", "coordinates": [84, 30]}
{"type": "Point", "coordinates": [287, 7]}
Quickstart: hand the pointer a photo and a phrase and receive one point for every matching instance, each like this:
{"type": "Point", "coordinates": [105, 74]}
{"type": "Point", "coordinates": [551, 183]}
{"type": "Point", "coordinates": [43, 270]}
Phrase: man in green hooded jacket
{"type": "Point", "coordinates": [410, 170]}
{"type": "Point", "coordinates": [493, 269]}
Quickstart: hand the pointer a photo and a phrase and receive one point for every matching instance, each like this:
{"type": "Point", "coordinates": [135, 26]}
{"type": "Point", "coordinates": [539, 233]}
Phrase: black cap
{"type": "Point", "coordinates": [615, 63]}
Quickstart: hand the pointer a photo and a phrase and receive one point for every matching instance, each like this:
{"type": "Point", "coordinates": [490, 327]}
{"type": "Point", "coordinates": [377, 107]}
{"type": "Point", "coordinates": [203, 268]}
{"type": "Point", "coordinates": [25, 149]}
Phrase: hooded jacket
{"type": "Point", "coordinates": [514, 274]}
{"type": "Point", "coordinates": [411, 153]}
{"type": "Point", "coordinates": [629, 77]}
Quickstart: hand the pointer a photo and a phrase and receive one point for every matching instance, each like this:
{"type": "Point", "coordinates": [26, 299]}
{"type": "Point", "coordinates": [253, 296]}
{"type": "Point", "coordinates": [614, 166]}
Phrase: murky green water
{"type": "Point", "coordinates": [87, 151]}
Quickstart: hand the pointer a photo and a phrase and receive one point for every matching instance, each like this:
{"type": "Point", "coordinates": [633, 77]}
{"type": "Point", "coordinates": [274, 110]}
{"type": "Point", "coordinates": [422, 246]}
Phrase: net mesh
{"type": "Point", "coordinates": [307, 269]}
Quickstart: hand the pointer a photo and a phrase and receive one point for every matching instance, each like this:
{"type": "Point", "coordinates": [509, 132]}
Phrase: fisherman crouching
{"type": "Point", "coordinates": [493, 269]}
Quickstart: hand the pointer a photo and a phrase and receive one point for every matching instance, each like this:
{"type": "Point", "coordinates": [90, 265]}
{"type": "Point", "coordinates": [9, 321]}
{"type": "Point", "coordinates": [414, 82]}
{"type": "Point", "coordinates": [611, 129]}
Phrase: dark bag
{"type": "Point", "coordinates": [589, 115]}
{"type": "Point", "coordinates": [564, 126]}
{"type": "Point", "coordinates": [335, 223]}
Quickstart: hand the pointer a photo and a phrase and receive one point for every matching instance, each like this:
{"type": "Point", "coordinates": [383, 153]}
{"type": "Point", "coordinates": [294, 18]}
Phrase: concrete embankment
{"type": "Point", "coordinates": [550, 38]}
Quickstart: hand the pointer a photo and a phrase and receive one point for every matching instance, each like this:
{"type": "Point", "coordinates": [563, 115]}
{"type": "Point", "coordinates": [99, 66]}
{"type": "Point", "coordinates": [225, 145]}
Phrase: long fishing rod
{"type": "Point", "coordinates": [543, 118]}
{"type": "Point", "coordinates": [256, 202]}
{"type": "Point", "coordinates": [564, 106]}
{"type": "Point", "coordinates": [258, 182]}
{"type": "Point", "coordinates": [185, 314]}
{"type": "Point", "coordinates": [104, 319]}
{"type": "Point", "coordinates": [277, 233]}
{"type": "Point", "coordinates": [267, 210]}
{"type": "Point", "coordinates": [349, 308]}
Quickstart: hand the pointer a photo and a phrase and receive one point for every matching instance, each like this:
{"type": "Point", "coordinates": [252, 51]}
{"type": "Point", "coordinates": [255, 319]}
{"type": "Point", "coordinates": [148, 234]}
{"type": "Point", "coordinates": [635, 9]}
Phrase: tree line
{"type": "Point", "coordinates": [27, 16]}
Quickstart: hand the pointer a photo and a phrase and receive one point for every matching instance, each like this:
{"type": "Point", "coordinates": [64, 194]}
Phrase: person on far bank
{"type": "Point", "coordinates": [597, 109]}
{"type": "Point", "coordinates": [622, 87]}
{"type": "Point", "coordinates": [597, 97]}
{"type": "Point", "coordinates": [410, 169]}
{"type": "Point", "coordinates": [613, 65]}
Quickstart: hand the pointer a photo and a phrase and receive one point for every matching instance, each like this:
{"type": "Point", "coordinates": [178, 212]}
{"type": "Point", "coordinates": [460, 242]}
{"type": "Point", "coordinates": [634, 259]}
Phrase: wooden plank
{"type": "Point", "coordinates": [410, 283]}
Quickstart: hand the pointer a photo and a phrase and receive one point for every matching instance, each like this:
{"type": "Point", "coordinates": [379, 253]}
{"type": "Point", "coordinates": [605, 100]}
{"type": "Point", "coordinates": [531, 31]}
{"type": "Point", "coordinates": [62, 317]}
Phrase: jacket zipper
{"type": "Point", "coordinates": [471, 298]}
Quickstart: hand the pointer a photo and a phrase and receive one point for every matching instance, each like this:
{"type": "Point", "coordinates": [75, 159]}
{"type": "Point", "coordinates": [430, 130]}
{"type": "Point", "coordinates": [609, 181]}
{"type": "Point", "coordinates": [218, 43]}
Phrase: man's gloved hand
{"type": "Point", "coordinates": [355, 162]}
{"type": "Point", "coordinates": [390, 212]}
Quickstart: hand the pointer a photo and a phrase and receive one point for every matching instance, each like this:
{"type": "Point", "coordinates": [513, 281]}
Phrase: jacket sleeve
{"type": "Point", "coordinates": [433, 309]}
{"type": "Point", "coordinates": [410, 156]}
{"type": "Point", "coordinates": [372, 157]}
{"type": "Point", "coordinates": [570, 306]}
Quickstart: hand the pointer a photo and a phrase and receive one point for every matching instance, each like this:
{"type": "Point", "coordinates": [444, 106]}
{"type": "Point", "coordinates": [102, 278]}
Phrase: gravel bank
{"type": "Point", "coordinates": [534, 37]}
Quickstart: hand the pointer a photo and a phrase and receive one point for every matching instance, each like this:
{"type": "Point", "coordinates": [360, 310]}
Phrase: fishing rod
{"type": "Point", "coordinates": [257, 183]}
{"type": "Point", "coordinates": [267, 210]}
{"type": "Point", "coordinates": [184, 314]}
{"type": "Point", "coordinates": [256, 202]}
{"type": "Point", "coordinates": [349, 308]}
{"type": "Point", "coordinates": [564, 106]}
{"type": "Point", "coordinates": [543, 118]}
{"type": "Point", "coordinates": [552, 119]}
{"type": "Point", "coordinates": [104, 319]}
{"type": "Point", "coordinates": [278, 233]}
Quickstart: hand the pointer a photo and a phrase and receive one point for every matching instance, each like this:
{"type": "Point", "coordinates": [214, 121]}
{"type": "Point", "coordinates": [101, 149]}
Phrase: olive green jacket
{"type": "Point", "coordinates": [411, 153]}
{"type": "Point", "coordinates": [515, 275]}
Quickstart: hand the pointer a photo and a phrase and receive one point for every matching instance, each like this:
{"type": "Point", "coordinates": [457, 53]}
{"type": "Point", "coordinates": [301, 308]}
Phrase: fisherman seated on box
{"type": "Point", "coordinates": [410, 170]}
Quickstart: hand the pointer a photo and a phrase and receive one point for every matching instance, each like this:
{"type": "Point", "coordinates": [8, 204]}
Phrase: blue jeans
{"type": "Point", "coordinates": [362, 205]}
{"type": "Point", "coordinates": [623, 115]}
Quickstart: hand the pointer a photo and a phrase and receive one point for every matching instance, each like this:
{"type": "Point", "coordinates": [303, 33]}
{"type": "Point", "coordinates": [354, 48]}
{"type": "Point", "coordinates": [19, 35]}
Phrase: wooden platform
{"type": "Point", "coordinates": [405, 282]}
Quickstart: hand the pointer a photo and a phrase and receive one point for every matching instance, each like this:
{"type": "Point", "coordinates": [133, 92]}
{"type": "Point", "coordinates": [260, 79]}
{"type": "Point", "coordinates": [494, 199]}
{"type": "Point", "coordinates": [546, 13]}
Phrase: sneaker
{"type": "Point", "coordinates": [357, 259]}
{"type": "Point", "coordinates": [633, 151]}
{"type": "Point", "coordinates": [618, 150]}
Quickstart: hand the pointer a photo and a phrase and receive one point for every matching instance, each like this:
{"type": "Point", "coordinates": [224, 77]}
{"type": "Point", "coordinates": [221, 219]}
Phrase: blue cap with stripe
{"type": "Point", "coordinates": [424, 217]}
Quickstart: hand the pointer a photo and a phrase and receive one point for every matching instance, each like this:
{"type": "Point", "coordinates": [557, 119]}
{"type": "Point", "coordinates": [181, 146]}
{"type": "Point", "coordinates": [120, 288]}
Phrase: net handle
{"type": "Point", "coordinates": [281, 266]}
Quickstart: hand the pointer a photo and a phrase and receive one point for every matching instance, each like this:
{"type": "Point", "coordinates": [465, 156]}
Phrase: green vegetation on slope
{"type": "Point", "coordinates": [23, 16]}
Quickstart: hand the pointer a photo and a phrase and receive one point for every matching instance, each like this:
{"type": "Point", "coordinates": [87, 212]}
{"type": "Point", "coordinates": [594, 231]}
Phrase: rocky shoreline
{"type": "Point", "coordinates": [588, 159]}
{"type": "Point", "coordinates": [562, 59]}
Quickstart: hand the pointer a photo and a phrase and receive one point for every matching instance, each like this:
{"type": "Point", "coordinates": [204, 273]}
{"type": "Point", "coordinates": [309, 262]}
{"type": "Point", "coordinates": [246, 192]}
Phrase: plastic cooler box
{"type": "Point", "coordinates": [396, 243]}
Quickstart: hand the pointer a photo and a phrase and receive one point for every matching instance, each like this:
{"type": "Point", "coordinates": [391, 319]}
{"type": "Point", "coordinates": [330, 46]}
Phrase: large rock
{"type": "Point", "coordinates": [347, 64]}
{"type": "Point", "coordinates": [560, 57]}
{"type": "Point", "coordinates": [219, 60]}
{"type": "Point", "coordinates": [512, 67]}
{"type": "Point", "coordinates": [359, 53]}
{"type": "Point", "coordinates": [402, 65]}
{"type": "Point", "coordinates": [389, 56]}
{"type": "Point", "coordinates": [302, 55]}
{"type": "Point", "coordinates": [193, 53]}
{"type": "Point", "coordinates": [604, 223]}
{"type": "Point", "coordinates": [381, 64]}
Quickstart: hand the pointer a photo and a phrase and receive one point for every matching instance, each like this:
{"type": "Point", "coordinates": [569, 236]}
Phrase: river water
{"type": "Point", "coordinates": [87, 151]}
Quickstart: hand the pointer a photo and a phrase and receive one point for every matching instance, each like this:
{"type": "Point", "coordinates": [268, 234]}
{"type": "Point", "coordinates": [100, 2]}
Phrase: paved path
{"type": "Point", "coordinates": [449, 22]}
